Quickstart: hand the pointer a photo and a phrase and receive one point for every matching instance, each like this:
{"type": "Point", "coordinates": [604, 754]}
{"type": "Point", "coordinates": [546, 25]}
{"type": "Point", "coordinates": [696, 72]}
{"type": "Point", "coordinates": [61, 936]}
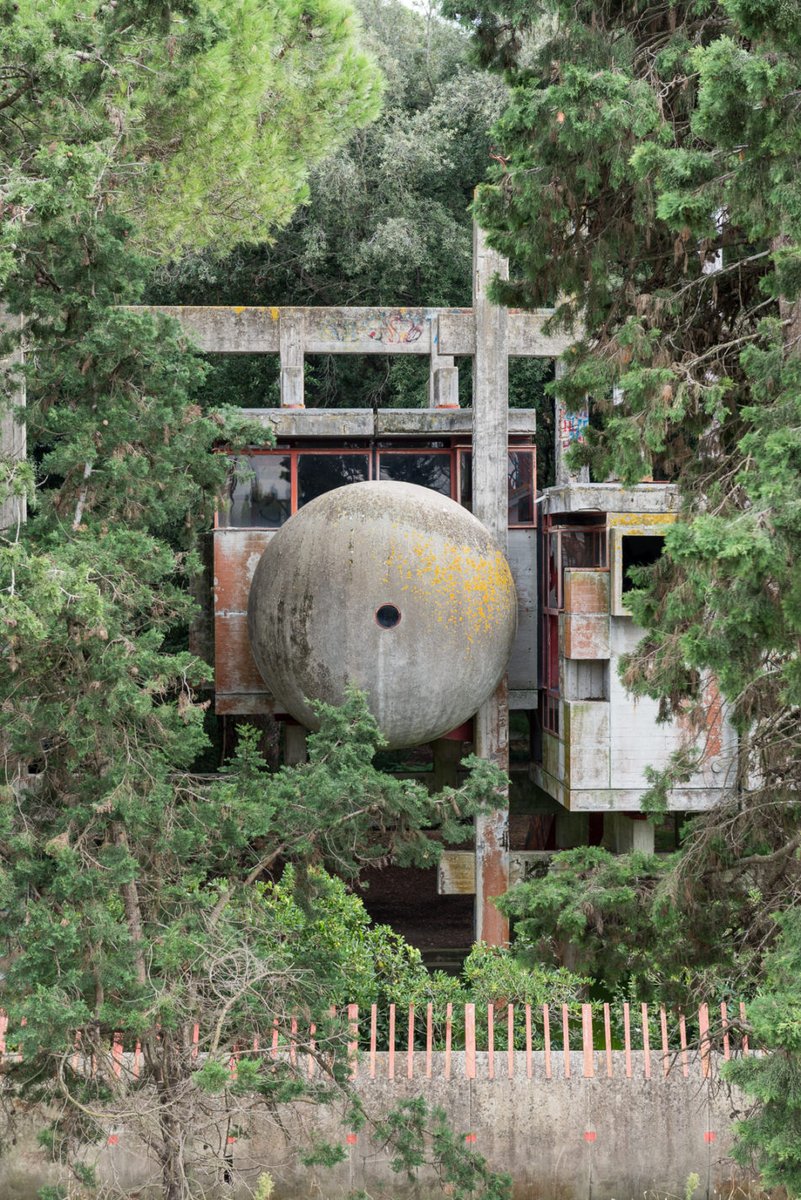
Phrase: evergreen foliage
{"type": "Point", "coordinates": [648, 181]}
{"type": "Point", "coordinates": [387, 222]}
{"type": "Point", "coordinates": [619, 920]}
{"type": "Point", "coordinates": [200, 120]}
{"type": "Point", "coordinates": [133, 891]}
{"type": "Point", "coordinates": [771, 1135]}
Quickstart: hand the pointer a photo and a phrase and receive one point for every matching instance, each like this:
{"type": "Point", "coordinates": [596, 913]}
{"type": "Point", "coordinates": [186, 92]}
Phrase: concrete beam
{"type": "Point", "coordinates": [291, 337]}
{"type": "Point", "coordinates": [442, 332]}
{"type": "Point", "coordinates": [490, 470]}
{"type": "Point", "coordinates": [386, 422]}
{"type": "Point", "coordinates": [443, 380]}
{"type": "Point", "coordinates": [643, 498]}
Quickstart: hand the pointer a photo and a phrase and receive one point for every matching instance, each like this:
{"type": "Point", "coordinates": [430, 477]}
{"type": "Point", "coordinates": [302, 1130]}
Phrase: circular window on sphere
{"type": "Point", "coordinates": [387, 616]}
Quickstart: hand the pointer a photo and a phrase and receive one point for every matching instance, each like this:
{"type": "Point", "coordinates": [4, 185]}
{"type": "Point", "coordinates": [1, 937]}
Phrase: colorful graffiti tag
{"type": "Point", "coordinates": [393, 327]}
{"type": "Point", "coordinates": [571, 428]}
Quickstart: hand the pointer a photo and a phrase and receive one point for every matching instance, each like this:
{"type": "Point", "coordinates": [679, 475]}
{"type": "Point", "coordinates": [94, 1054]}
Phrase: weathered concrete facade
{"type": "Point", "coordinates": [598, 740]}
{"type": "Point", "coordinates": [569, 552]}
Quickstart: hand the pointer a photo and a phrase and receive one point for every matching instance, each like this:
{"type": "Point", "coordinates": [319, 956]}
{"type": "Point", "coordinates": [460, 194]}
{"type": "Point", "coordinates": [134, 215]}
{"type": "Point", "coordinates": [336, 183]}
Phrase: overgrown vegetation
{"type": "Point", "coordinates": [647, 176]}
{"type": "Point", "coordinates": [132, 891]}
{"type": "Point", "coordinates": [387, 222]}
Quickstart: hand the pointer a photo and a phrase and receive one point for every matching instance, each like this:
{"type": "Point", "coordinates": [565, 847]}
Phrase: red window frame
{"type": "Point", "coordinates": [293, 455]}
{"type": "Point", "coordinates": [552, 572]}
{"type": "Point", "coordinates": [374, 456]}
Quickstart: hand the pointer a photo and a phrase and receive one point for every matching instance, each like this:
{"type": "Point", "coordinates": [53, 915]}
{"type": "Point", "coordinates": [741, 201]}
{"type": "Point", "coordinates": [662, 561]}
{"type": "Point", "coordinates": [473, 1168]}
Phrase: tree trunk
{"type": "Point", "coordinates": [171, 1156]}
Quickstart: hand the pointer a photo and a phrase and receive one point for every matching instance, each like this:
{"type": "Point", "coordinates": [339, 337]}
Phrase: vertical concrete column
{"type": "Point", "coordinates": [443, 380]}
{"type": "Point", "coordinates": [490, 505]}
{"type": "Point", "coordinates": [624, 834]}
{"type": "Point", "coordinates": [567, 429]}
{"type": "Point", "coordinates": [12, 424]}
{"type": "Point", "coordinates": [295, 749]}
{"type": "Point", "coordinates": [290, 340]}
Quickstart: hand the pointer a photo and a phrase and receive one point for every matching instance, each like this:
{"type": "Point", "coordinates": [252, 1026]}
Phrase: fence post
{"type": "Point", "coordinates": [587, 1041]}
{"type": "Point", "coordinates": [703, 1031]}
{"type": "Point", "coordinates": [470, 1040]}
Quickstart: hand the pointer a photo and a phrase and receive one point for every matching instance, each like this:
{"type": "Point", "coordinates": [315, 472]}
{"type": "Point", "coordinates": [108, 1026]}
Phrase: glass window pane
{"type": "Point", "coordinates": [319, 473]}
{"type": "Point", "coordinates": [552, 568]}
{"type": "Point", "coordinates": [427, 470]}
{"type": "Point", "coordinates": [258, 491]}
{"type": "Point", "coordinates": [521, 487]}
{"type": "Point", "coordinates": [466, 479]}
{"type": "Point", "coordinates": [584, 549]}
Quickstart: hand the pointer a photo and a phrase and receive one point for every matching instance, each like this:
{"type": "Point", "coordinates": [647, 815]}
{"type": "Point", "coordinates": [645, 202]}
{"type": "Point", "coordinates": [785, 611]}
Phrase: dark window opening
{"type": "Point", "coordinates": [522, 485]}
{"type": "Point", "coordinates": [583, 548]}
{"type": "Point", "coordinates": [563, 520]}
{"type": "Point", "coordinates": [426, 470]}
{"type": "Point", "coordinates": [388, 616]}
{"type": "Point", "coordinates": [569, 548]}
{"type": "Point", "coordinates": [320, 473]}
{"type": "Point", "coordinates": [638, 551]}
{"type": "Point", "coordinates": [522, 482]}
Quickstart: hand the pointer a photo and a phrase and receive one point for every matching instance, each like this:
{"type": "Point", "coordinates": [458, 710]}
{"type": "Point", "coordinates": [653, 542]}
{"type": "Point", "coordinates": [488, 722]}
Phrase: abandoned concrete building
{"type": "Point", "coordinates": [464, 603]}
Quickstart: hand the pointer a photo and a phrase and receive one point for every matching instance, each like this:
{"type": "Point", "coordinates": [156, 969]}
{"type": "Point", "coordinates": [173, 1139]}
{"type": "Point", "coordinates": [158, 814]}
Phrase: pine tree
{"type": "Point", "coordinates": [202, 119]}
{"type": "Point", "coordinates": [771, 1136]}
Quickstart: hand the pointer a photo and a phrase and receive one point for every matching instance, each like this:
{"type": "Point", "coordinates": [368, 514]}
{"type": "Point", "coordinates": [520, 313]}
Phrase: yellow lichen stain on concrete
{"type": "Point", "coordinates": [640, 520]}
{"type": "Point", "coordinates": [274, 313]}
{"type": "Point", "coordinates": [458, 584]}
{"type": "Point", "coordinates": [238, 308]}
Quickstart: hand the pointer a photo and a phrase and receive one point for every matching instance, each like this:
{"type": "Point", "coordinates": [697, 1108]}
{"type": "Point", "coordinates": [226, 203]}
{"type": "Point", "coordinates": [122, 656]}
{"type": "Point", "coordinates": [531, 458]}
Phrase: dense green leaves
{"type": "Point", "coordinates": [198, 121]}
{"type": "Point", "coordinates": [136, 895]}
{"type": "Point", "coordinates": [772, 1135]}
{"type": "Point", "coordinates": [650, 182]}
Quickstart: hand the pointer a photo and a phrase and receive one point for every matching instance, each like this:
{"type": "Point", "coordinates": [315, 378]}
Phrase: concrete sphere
{"type": "Point", "coordinates": [391, 587]}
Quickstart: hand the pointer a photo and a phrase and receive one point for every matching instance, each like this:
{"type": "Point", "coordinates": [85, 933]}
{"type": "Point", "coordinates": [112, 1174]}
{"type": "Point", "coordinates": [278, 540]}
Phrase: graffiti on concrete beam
{"type": "Point", "coordinates": [393, 327]}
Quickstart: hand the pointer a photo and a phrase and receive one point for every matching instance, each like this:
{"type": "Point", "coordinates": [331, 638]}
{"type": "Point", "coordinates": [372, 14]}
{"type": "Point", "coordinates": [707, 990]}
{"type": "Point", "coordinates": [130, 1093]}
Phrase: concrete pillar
{"type": "Point", "coordinates": [443, 388]}
{"type": "Point", "coordinates": [290, 342]}
{"type": "Point", "coordinates": [572, 829]}
{"type": "Point", "coordinates": [567, 430]}
{"type": "Point", "coordinates": [624, 834]}
{"type": "Point", "coordinates": [448, 753]}
{"type": "Point", "coordinates": [490, 505]}
{"type": "Point", "coordinates": [295, 750]}
{"type": "Point", "coordinates": [12, 429]}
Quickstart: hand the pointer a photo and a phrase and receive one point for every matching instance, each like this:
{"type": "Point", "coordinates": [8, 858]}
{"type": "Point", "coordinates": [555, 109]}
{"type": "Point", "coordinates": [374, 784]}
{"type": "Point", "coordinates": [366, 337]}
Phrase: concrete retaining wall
{"type": "Point", "coordinates": [562, 1138]}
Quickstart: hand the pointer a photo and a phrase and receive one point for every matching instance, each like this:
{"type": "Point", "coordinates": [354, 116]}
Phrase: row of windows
{"type": "Point", "coordinates": [266, 487]}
